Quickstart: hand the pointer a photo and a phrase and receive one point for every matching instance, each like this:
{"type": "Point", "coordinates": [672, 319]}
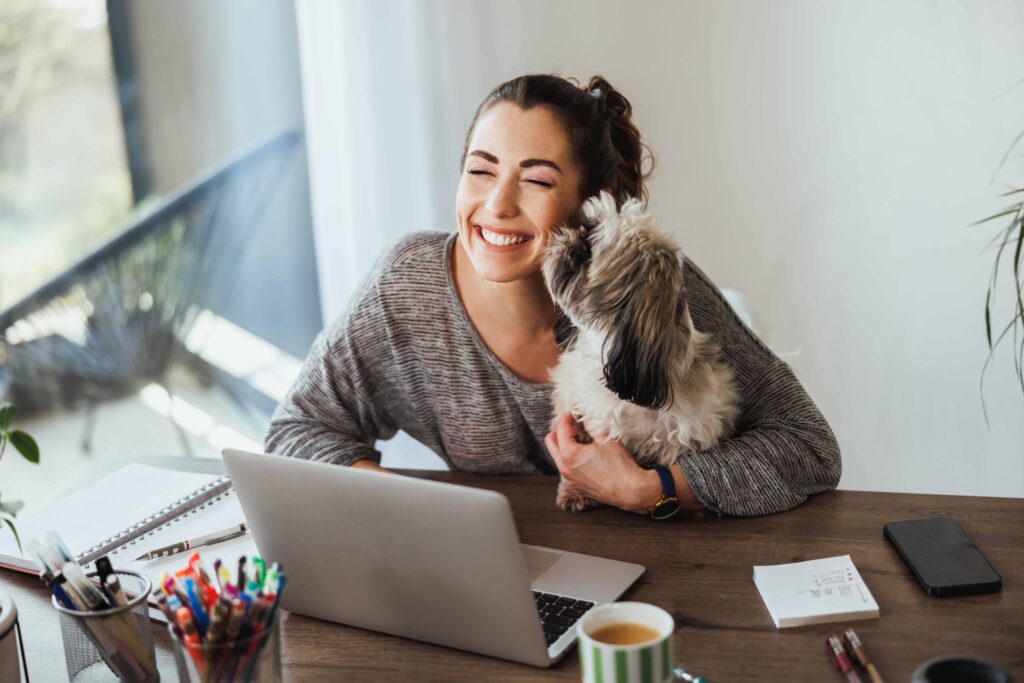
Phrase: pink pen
{"type": "Point", "coordinates": [837, 653]}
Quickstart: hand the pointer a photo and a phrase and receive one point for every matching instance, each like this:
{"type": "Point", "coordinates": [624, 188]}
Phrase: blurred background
{"type": "Point", "coordinates": [191, 191]}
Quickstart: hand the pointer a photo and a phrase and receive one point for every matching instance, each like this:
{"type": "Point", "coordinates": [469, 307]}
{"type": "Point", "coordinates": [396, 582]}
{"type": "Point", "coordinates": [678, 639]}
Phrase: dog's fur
{"type": "Point", "coordinates": [637, 372]}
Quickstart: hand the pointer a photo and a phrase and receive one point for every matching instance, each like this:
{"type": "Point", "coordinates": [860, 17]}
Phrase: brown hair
{"type": "Point", "coordinates": [605, 143]}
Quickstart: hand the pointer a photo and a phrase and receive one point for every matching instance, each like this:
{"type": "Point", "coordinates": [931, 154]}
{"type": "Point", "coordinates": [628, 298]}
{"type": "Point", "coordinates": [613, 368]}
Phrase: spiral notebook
{"type": "Point", "coordinates": [130, 511]}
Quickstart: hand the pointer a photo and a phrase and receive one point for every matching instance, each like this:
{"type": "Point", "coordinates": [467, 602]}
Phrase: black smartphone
{"type": "Point", "coordinates": [942, 558]}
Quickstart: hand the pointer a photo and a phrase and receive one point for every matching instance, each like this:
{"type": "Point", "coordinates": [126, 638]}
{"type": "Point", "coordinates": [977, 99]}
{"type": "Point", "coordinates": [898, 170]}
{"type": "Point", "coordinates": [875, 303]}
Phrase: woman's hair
{"type": "Point", "coordinates": [605, 143]}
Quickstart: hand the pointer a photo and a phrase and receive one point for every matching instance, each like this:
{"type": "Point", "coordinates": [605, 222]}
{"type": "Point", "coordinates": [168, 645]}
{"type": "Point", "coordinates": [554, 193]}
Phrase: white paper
{"type": "Point", "coordinates": [814, 592]}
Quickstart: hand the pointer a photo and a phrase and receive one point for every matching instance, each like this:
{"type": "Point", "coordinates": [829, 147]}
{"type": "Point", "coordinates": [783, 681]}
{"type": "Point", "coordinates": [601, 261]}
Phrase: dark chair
{"type": "Point", "coordinates": [117, 320]}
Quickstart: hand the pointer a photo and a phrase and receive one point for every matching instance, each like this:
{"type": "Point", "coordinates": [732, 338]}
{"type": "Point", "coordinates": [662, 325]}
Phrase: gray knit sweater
{"type": "Point", "coordinates": [405, 356]}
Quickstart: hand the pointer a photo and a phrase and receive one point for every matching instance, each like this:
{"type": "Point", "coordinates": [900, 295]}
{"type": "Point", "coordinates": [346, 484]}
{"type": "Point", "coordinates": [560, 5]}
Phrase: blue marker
{"type": "Point", "coordinates": [198, 612]}
{"type": "Point", "coordinates": [62, 597]}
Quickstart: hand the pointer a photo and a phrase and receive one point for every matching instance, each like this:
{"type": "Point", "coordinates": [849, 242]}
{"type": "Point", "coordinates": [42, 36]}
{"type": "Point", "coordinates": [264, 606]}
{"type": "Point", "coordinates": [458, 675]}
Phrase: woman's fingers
{"type": "Point", "coordinates": [563, 430]}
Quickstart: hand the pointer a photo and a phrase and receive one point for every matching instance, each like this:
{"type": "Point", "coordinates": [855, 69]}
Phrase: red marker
{"type": "Point", "coordinates": [188, 627]}
{"type": "Point", "coordinates": [837, 653]}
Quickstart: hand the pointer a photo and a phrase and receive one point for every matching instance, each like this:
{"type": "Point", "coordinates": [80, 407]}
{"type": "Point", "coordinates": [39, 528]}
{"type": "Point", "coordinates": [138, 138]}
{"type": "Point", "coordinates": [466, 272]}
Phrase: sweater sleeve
{"type": "Point", "coordinates": [783, 450]}
{"type": "Point", "coordinates": [334, 411]}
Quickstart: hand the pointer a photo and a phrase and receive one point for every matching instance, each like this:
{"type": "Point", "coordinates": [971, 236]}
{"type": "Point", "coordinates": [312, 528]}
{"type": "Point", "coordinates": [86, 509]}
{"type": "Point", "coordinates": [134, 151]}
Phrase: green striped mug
{"type": "Point", "coordinates": [646, 662]}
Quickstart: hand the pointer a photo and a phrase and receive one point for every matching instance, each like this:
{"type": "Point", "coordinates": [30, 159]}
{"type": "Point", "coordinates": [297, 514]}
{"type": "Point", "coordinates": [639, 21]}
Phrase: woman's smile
{"type": "Point", "coordinates": [500, 240]}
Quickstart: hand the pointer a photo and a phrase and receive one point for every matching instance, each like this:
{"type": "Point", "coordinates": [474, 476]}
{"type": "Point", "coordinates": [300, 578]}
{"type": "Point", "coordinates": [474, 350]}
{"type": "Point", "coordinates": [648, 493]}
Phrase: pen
{"type": "Point", "coordinates": [682, 675]}
{"type": "Point", "coordinates": [837, 653]}
{"type": "Point", "coordinates": [182, 546]}
{"type": "Point", "coordinates": [104, 569]}
{"type": "Point", "coordinates": [240, 577]}
{"type": "Point", "coordinates": [229, 656]}
{"type": "Point", "coordinates": [216, 632]}
{"type": "Point", "coordinates": [113, 587]}
{"type": "Point", "coordinates": [165, 606]}
{"type": "Point", "coordinates": [171, 587]}
{"type": "Point", "coordinates": [862, 655]}
{"type": "Point", "coordinates": [220, 575]}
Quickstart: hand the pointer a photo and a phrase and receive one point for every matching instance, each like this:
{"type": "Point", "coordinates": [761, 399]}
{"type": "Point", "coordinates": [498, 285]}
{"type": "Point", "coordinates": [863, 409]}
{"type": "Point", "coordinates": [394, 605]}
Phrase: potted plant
{"type": "Point", "coordinates": [1010, 240]}
{"type": "Point", "coordinates": [26, 445]}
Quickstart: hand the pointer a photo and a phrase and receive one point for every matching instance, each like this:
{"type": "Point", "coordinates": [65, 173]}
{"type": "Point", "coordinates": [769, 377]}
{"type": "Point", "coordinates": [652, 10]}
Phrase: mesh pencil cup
{"type": "Point", "coordinates": [116, 641]}
{"type": "Point", "coordinates": [256, 658]}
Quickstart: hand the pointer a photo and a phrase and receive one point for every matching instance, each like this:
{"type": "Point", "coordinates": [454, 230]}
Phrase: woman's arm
{"type": "Point", "coordinates": [329, 414]}
{"type": "Point", "coordinates": [339, 405]}
{"type": "Point", "coordinates": [783, 450]}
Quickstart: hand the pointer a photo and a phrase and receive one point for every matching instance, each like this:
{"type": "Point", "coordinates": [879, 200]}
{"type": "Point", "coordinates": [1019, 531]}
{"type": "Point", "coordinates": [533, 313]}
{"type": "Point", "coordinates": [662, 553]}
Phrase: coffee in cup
{"type": "Point", "coordinates": [626, 641]}
{"type": "Point", "coordinates": [625, 633]}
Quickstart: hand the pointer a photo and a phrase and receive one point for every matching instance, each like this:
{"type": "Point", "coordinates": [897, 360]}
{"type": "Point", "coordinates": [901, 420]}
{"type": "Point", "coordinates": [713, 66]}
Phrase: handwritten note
{"type": "Point", "coordinates": [814, 592]}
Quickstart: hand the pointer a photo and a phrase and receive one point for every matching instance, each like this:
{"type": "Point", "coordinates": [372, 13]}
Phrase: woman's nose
{"type": "Point", "coordinates": [502, 200]}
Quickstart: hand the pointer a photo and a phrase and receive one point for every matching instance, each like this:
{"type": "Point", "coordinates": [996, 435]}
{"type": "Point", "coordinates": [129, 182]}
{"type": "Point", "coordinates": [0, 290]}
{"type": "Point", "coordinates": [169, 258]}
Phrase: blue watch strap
{"type": "Point", "coordinates": [668, 484]}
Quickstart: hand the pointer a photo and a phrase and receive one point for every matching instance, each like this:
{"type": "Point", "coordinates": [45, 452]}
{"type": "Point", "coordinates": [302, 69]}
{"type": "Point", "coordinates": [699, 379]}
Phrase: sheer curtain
{"type": "Point", "coordinates": [386, 110]}
{"type": "Point", "coordinates": [383, 127]}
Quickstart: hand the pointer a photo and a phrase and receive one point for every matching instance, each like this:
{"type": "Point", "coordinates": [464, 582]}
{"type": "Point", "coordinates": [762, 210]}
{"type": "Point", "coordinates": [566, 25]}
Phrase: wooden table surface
{"type": "Point", "coordinates": [699, 569]}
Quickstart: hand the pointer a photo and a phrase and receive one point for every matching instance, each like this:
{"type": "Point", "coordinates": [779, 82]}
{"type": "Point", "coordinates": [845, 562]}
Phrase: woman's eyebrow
{"type": "Point", "coordinates": [525, 163]}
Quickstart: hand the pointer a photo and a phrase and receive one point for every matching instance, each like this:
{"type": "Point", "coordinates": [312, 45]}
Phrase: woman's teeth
{"type": "Point", "coordinates": [501, 240]}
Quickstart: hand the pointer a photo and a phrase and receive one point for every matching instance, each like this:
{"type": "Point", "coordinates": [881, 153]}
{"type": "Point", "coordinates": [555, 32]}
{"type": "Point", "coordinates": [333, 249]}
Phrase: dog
{"type": "Point", "coordinates": [636, 371]}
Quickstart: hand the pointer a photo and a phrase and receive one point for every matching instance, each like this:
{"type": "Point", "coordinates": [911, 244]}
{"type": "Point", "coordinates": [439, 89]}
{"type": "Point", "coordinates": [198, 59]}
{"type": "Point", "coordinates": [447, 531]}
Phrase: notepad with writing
{"type": "Point", "coordinates": [814, 592]}
{"type": "Point", "coordinates": [130, 511]}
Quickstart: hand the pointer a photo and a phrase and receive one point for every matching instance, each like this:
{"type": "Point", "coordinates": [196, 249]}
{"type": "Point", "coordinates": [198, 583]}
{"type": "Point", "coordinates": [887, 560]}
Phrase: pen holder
{"type": "Point", "coordinates": [117, 640]}
{"type": "Point", "coordinates": [256, 658]}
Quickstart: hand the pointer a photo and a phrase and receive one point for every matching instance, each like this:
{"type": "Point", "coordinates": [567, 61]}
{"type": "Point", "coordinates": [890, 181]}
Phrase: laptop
{"type": "Point", "coordinates": [420, 559]}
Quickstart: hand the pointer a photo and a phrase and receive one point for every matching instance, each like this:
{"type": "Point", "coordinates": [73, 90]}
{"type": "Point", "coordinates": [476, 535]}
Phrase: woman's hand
{"type": "Point", "coordinates": [603, 470]}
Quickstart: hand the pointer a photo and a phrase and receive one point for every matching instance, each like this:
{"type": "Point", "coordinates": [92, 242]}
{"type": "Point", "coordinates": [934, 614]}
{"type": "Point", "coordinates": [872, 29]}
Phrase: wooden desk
{"type": "Point", "coordinates": [700, 571]}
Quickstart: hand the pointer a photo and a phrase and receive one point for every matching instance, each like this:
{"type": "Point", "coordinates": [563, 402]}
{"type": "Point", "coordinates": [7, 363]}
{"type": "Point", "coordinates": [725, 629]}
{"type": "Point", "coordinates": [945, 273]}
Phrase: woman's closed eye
{"type": "Point", "coordinates": [535, 181]}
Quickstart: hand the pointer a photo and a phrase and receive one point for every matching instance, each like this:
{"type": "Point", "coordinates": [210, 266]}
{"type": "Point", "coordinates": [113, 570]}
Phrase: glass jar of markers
{"type": "Point", "coordinates": [256, 658]}
{"type": "Point", "coordinates": [224, 628]}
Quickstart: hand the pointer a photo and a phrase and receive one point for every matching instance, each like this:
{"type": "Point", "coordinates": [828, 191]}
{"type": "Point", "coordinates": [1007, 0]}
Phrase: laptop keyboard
{"type": "Point", "coordinates": [558, 613]}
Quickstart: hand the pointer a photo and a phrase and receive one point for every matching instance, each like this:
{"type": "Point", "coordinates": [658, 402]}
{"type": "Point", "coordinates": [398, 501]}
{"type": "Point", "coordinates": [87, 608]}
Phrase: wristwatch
{"type": "Point", "coordinates": [668, 504]}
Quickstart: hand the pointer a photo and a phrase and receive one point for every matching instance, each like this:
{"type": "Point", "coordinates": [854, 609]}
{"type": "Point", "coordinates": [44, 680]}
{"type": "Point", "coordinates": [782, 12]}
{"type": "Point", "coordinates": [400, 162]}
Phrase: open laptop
{"type": "Point", "coordinates": [420, 559]}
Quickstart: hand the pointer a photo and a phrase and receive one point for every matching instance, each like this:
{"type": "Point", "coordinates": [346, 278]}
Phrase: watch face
{"type": "Point", "coordinates": [665, 508]}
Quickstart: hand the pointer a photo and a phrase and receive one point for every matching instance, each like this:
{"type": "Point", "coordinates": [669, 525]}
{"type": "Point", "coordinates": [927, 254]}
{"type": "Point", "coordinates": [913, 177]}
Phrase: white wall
{"type": "Point", "coordinates": [825, 159]}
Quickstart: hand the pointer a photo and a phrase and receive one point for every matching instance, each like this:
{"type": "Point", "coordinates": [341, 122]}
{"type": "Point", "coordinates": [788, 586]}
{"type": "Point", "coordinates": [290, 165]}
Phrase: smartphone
{"type": "Point", "coordinates": [942, 558]}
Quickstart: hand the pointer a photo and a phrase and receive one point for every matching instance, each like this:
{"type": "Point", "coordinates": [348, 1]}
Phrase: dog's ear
{"type": "Point", "coordinates": [565, 262]}
{"type": "Point", "coordinates": [645, 340]}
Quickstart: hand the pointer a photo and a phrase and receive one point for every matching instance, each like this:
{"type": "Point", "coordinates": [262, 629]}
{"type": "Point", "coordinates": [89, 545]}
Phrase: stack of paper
{"type": "Point", "coordinates": [815, 592]}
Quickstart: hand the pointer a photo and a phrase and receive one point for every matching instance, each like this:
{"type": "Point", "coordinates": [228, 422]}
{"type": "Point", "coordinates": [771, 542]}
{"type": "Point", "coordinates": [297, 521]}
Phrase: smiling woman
{"type": "Point", "coordinates": [452, 336]}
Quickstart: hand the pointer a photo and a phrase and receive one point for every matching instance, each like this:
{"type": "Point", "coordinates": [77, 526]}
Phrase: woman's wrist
{"type": "Point", "coordinates": [368, 464]}
{"type": "Point", "coordinates": [647, 491]}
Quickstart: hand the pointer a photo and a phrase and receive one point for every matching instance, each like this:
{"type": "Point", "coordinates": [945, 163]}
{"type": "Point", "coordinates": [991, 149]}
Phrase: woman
{"type": "Point", "coordinates": [451, 337]}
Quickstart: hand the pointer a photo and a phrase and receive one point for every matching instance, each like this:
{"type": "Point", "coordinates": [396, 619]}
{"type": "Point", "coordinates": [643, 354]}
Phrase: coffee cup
{"type": "Point", "coordinates": [959, 669]}
{"type": "Point", "coordinates": [626, 641]}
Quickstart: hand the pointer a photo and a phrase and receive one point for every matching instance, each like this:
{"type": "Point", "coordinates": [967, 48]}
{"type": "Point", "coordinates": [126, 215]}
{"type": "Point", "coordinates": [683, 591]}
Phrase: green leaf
{"type": "Point", "coordinates": [1006, 212]}
{"type": "Point", "coordinates": [988, 320]}
{"type": "Point", "coordinates": [26, 445]}
{"type": "Point", "coordinates": [6, 416]}
{"type": "Point", "coordinates": [10, 522]}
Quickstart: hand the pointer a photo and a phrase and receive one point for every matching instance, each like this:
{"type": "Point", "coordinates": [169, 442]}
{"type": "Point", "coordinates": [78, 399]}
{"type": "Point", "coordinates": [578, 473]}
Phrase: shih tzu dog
{"type": "Point", "coordinates": [636, 372]}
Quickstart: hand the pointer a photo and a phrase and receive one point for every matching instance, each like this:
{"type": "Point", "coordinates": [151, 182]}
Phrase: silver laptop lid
{"type": "Point", "coordinates": [421, 559]}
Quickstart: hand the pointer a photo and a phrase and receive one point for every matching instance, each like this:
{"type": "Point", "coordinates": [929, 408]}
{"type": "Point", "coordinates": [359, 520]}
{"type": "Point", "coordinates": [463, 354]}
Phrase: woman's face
{"type": "Point", "coordinates": [517, 185]}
